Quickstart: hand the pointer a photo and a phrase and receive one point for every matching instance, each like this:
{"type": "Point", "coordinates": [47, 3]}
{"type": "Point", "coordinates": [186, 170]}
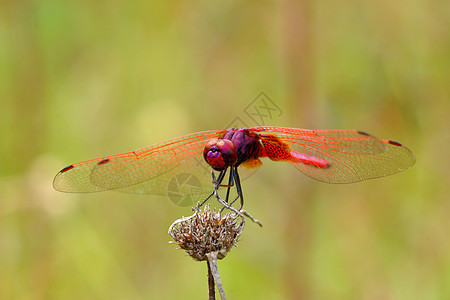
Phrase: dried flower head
{"type": "Point", "coordinates": [207, 231]}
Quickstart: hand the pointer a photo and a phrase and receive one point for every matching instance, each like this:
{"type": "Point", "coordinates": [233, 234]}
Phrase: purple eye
{"type": "Point", "coordinates": [213, 154]}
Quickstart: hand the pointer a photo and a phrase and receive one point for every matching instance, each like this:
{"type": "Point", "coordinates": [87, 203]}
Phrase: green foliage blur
{"type": "Point", "coordinates": [85, 79]}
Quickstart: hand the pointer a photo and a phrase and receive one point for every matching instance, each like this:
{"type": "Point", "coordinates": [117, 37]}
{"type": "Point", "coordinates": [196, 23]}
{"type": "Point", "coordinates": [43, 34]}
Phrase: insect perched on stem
{"type": "Point", "coordinates": [331, 156]}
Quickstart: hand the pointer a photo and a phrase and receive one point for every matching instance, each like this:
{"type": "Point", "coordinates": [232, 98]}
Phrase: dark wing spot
{"type": "Point", "coordinates": [102, 162]}
{"type": "Point", "coordinates": [395, 143]}
{"type": "Point", "coordinates": [66, 169]}
{"type": "Point", "coordinates": [363, 133]}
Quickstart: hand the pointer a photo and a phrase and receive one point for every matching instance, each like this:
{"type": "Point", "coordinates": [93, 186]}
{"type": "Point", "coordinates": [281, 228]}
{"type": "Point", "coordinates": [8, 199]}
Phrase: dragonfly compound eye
{"type": "Point", "coordinates": [220, 154]}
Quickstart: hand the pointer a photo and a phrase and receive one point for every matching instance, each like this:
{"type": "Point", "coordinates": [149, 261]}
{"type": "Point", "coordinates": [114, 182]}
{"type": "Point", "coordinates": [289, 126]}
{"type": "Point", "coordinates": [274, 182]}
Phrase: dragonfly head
{"type": "Point", "coordinates": [220, 154]}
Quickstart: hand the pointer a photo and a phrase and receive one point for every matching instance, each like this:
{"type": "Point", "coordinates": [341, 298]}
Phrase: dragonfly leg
{"type": "Point", "coordinates": [235, 199]}
{"type": "Point", "coordinates": [217, 183]}
{"type": "Point", "coordinates": [230, 184]}
{"type": "Point", "coordinates": [203, 202]}
{"type": "Point", "coordinates": [238, 186]}
{"type": "Point", "coordinates": [234, 178]}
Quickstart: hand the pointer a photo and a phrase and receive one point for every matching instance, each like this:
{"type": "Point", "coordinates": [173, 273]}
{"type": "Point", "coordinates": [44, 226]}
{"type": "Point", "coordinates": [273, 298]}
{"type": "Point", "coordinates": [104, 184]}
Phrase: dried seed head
{"type": "Point", "coordinates": [205, 232]}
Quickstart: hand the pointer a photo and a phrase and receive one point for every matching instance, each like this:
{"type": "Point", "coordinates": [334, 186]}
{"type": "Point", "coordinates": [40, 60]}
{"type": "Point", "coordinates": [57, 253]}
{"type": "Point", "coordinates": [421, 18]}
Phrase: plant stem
{"type": "Point", "coordinates": [211, 286]}
{"type": "Point", "coordinates": [212, 263]}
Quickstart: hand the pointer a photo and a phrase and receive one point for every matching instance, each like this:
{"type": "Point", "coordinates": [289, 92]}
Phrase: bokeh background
{"type": "Point", "coordinates": [83, 79]}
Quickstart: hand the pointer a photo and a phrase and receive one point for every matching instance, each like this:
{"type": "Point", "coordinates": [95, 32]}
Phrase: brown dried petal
{"type": "Point", "coordinates": [206, 232]}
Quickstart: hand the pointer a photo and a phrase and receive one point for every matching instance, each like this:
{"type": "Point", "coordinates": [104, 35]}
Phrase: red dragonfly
{"type": "Point", "coordinates": [331, 156]}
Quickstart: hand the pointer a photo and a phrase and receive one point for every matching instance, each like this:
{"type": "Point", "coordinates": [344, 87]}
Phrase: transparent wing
{"type": "Point", "coordinates": [158, 169]}
{"type": "Point", "coordinates": [339, 156]}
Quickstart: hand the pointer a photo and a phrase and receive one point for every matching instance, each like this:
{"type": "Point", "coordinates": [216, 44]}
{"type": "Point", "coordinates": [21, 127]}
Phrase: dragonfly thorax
{"type": "Point", "coordinates": [220, 154]}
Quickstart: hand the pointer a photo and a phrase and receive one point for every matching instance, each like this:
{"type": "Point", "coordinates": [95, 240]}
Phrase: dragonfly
{"type": "Point", "coordinates": [330, 156]}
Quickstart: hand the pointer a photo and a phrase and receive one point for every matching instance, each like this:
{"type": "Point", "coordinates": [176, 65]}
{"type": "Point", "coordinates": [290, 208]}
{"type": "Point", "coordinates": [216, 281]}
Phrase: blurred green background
{"type": "Point", "coordinates": [83, 79]}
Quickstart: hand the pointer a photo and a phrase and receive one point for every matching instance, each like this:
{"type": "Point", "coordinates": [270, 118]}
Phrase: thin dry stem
{"type": "Point", "coordinates": [212, 262]}
{"type": "Point", "coordinates": [211, 286]}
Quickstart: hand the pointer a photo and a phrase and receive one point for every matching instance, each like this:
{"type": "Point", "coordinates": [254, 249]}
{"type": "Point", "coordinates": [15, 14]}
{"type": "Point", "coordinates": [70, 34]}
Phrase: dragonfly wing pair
{"type": "Point", "coordinates": [340, 156]}
{"type": "Point", "coordinates": [332, 156]}
{"type": "Point", "coordinates": [149, 170]}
